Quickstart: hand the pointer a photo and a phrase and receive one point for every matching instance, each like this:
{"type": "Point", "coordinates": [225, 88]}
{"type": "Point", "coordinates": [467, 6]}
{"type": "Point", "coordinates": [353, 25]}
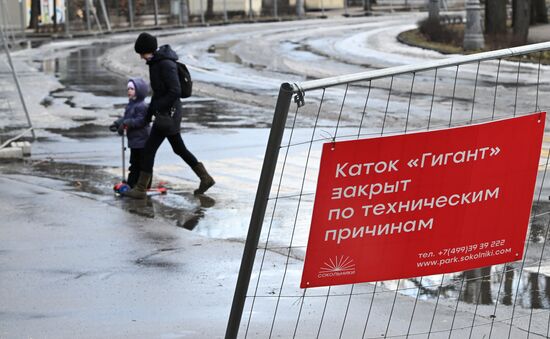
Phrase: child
{"type": "Point", "coordinates": [137, 128]}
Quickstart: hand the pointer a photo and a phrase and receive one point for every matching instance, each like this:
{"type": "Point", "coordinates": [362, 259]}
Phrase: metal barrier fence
{"type": "Point", "coordinates": [13, 109]}
{"type": "Point", "coordinates": [74, 16]}
{"type": "Point", "coordinates": [503, 301]}
{"type": "Point", "coordinates": [78, 16]}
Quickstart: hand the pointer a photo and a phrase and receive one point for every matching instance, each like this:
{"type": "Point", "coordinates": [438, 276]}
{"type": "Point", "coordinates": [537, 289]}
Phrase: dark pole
{"type": "Point", "coordinates": [202, 12]}
{"type": "Point", "coordinates": [156, 13]}
{"type": "Point", "coordinates": [131, 13]}
{"type": "Point", "coordinates": [67, 28]}
{"type": "Point", "coordinates": [258, 212]}
{"type": "Point", "coordinates": [105, 14]}
{"type": "Point", "coordinates": [55, 15]}
{"type": "Point", "coordinates": [16, 80]}
{"type": "Point", "coordinates": [184, 13]}
{"type": "Point", "coordinates": [87, 9]}
{"type": "Point", "coordinates": [22, 17]}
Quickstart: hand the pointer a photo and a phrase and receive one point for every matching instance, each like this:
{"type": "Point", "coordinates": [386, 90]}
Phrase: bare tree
{"type": "Point", "coordinates": [495, 17]}
{"type": "Point", "coordinates": [35, 14]}
{"type": "Point", "coordinates": [521, 19]}
{"type": "Point", "coordinates": [539, 12]}
{"type": "Point", "coordinates": [368, 5]}
{"type": "Point", "coordinates": [209, 9]}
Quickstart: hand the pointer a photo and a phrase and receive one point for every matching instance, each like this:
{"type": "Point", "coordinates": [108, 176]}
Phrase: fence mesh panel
{"type": "Point", "coordinates": [502, 301]}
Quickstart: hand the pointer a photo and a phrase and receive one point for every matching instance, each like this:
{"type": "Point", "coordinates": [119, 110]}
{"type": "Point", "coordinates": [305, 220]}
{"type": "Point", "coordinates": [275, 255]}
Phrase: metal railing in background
{"type": "Point", "coordinates": [7, 105]}
{"type": "Point", "coordinates": [97, 16]}
{"type": "Point", "coordinates": [510, 300]}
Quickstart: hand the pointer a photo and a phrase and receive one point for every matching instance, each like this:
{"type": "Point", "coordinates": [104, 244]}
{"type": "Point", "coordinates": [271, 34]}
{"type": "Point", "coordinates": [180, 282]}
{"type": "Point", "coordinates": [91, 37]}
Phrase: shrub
{"type": "Point", "coordinates": [435, 31]}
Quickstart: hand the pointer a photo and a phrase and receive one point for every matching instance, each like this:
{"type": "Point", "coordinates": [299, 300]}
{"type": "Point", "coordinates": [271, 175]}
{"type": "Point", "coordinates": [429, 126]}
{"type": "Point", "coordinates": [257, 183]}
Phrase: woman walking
{"type": "Point", "coordinates": [165, 106]}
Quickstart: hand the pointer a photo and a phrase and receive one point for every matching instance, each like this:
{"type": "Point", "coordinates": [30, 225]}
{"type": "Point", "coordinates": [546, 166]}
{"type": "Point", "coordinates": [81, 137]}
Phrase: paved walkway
{"type": "Point", "coordinates": [74, 267]}
{"type": "Point", "coordinates": [539, 33]}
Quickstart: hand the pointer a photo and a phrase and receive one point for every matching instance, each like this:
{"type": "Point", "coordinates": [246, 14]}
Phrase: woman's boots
{"type": "Point", "coordinates": [206, 180]}
{"type": "Point", "coordinates": [140, 189]}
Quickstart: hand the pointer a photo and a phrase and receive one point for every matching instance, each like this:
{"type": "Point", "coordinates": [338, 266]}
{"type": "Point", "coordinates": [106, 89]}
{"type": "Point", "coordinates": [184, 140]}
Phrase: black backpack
{"type": "Point", "coordinates": [186, 83]}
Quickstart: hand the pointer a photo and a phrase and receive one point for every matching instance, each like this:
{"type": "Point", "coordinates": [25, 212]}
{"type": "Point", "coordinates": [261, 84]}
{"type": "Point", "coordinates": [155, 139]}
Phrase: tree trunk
{"type": "Point", "coordinates": [368, 6]}
{"type": "Point", "coordinates": [495, 17]}
{"type": "Point", "coordinates": [209, 9]}
{"type": "Point", "coordinates": [539, 12]}
{"type": "Point", "coordinates": [521, 21]}
{"type": "Point", "coordinates": [35, 13]}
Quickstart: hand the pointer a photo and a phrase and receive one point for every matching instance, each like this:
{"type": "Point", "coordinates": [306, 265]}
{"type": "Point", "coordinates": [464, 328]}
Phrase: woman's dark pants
{"type": "Point", "coordinates": [153, 143]}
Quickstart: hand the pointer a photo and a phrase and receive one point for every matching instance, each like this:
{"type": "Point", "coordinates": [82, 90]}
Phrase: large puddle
{"type": "Point", "coordinates": [180, 207]}
{"type": "Point", "coordinates": [483, 286]}
{"type": "Point", "coordinates": [82, 75]}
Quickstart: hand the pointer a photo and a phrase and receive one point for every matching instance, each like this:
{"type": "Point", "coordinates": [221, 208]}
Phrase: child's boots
{"type": "Point", "coordinates": [140, 190]}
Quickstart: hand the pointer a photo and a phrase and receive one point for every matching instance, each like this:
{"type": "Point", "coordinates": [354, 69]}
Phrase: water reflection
{"type": "Point", "coordinates": [223, 53]}
{"type": "Point", "coordinates": [486, 286]}
{"type": "Point", "coordinates": [80, 71]}
{"type": "Point", "coordinates": [179, 207]}
{"type": "Point", "coordinates": [526, 285]}
{"type": "Point", "coordinates": [477, 286]}
{"type": "Point", "coordinates": [508, 282]}
{"type": "Point", "coordinates": [540, 220]}
{"type": "Point", "coordinates": [536, 301]}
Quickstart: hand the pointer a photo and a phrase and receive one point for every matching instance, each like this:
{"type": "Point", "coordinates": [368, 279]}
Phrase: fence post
{"type": "Point", "coordinates": [184, 13]}
{"type": "Point", "coordinates": [300, 10]}
{"type": "Point", "coordinates": [67, 22]}
{"type": "Point", "coordinates": [346, 14]}
{"type": "Point", "coordinates": [258, 212]}
{"type": "Point", "coordinates": [16, 80]}
{"type": "Point", "coordinates": [105, 15]}
{"type": "Point", "coordinates": [131, 13]}
{"type": "Point", "coordinates": [22, 18]}
{"type": "Point", "coordinates": [87, 12]}
{"type": "Point", "coordinates": [202, 12]}
{"type": "Point", "coordinates": [156, 13]}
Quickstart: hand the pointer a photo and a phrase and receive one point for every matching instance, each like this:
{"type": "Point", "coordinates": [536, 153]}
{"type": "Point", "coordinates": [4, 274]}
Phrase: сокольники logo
{"type": "Point", "coordinates": [337, 266]}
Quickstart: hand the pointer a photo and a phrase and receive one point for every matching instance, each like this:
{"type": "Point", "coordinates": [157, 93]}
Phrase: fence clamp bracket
{"type": "Point", "coordinates": [299, 96]}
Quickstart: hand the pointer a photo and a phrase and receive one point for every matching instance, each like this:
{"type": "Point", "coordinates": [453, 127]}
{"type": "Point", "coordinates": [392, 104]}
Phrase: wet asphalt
{"type": "Point", "coordinates": [116, 267]}
{"type": "Point", "coordinates": [84, 162]}
{"type": "Point", "coordinates": [80, 72]}
{"type": "Point", "coordinates": [61, 157]}
{"type": "Point", "coordinates": [76, 267]}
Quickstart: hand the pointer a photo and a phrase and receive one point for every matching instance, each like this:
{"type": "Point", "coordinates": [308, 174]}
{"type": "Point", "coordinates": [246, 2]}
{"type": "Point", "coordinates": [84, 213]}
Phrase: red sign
{"type": "Point", "coordinates": [424, 203]}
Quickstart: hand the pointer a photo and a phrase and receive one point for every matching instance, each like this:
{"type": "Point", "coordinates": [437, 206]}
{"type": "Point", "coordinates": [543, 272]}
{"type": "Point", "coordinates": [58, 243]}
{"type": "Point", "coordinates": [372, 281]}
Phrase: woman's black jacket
{"type": "Point", "coordinates": [163, 74]}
